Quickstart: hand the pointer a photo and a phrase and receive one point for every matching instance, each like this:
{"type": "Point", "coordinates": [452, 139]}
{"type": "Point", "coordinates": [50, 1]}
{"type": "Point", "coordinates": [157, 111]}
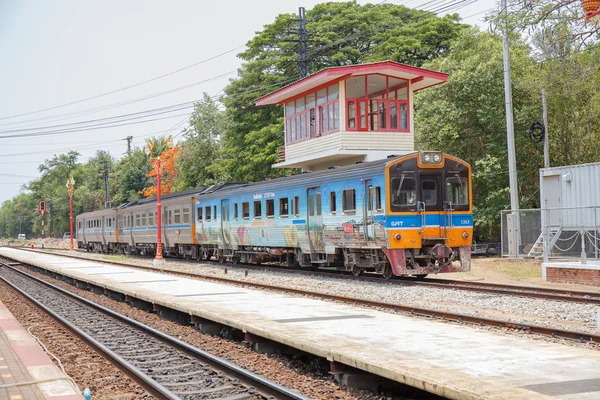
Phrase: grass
{"type": "Point", "coordinates": [115, 258]}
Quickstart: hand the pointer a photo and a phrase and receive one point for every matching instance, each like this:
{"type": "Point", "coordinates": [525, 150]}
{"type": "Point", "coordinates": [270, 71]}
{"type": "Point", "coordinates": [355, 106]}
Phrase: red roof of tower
{"type": "Point", "coordinates": [420, 79]}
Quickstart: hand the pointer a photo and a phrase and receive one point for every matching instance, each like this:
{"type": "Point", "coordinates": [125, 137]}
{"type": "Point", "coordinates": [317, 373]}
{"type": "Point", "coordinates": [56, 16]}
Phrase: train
{"type": "Point", "coordinates": [408, 215]}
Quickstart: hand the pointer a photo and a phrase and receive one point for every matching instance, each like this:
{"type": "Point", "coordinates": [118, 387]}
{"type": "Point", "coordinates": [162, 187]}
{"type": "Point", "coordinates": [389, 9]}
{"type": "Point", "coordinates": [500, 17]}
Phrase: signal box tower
{"type": "Point", "coordinates": [343, 115]}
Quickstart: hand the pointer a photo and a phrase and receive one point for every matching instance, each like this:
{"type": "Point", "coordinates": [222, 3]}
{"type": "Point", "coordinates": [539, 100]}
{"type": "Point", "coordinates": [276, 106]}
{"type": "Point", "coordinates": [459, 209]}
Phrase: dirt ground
{"type": "Point", "coordinates": [525, 272]}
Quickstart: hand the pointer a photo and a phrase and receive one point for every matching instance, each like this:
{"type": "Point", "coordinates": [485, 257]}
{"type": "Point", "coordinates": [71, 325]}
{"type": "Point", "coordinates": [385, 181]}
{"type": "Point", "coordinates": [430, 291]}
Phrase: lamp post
{"type": "Point", "coordinates": [159, 261]}
{"type": "Point", "coordinates": [71, 189]}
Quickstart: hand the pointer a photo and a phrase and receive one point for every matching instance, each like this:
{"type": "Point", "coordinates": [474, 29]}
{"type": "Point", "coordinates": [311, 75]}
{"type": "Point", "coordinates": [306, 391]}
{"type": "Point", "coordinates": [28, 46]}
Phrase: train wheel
{"type": "Point", "coordinates": [421, 276]}
{"type": "Point", "coordinates": [235, 259]}
{"type": "Point", "coordinates": [388, 273]}
{"type": "Point", "coordinates": [356, 271]}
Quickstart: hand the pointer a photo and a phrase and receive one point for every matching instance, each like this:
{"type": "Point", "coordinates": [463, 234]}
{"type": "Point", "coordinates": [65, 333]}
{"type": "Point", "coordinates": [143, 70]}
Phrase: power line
{"type": "Point", "coordinates": [120, 120]}
{"type": "Point", "coordinates": [119, 104]}
{"type": "Point", "coordinates": [124, 88]}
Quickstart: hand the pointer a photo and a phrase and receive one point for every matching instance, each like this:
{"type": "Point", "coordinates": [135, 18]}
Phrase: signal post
{"type": "Point", "coordinates": [42, 210]}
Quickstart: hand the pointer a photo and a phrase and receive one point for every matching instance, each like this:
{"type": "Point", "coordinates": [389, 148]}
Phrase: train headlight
{"type": "Point", "coordinates": [465, 235]}
{"type": "Point", "coordinates": [431, 157]}
{"type": "Point", "coordinates": [397, 237]}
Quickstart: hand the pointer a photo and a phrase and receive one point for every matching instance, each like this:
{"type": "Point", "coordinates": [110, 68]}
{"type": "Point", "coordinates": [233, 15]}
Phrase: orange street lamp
{"type": "Point", "coordinates": [159, 261]}
{"type": "Point", "coordinates": [71, 189]}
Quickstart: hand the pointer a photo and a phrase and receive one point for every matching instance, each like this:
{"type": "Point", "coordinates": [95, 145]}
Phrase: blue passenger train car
{"type": "Point", "coordinates": [407, 215]}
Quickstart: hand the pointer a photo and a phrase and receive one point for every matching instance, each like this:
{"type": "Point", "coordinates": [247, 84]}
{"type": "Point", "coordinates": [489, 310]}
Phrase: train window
{"type": "Point", "coordinates": [235, 211]}
{"type": "Point", "coordinates": [207, 213]}
{"type": "Point", "coordinates": [199, 214]}
{"type": "Point", "coordinates": [257, 210]}
{"type": "Point", "coordinates": [270, 208]}
{"type": "Point", "coordinates": [378, 198]}
{"type": "Point", "coordinates": [245, 210]}
{"type": "Point", "coordinates": [186, 215]}
{"type": "Point", "coordinates": [311, 205]}
{"type": "Point", "coordinates": [144, 219]}
{"type": "Point", "coordinates": [214, 213]}
{"type": "Point", "coordinates": [138, 220]}
{"type": "Point", "coordinates": [429, 192]}
{"type": "Point", "coordinates": [283, 208]}
{"type": "Point", "coordinates": [318, 203]}
{"type": "Point", "coordinates": [349, 201]}
{"type": "Point", "coordinates": [370, 198]}
{"type": "Point", "coordinates": [457, 191]}
{"type": "Point", "coordinates": [404, 191]}
{"type": "Point", "coordinates": [296, 206]}
{"type": "Point", "coordinates": [332, 203]}
{"type": "Point", "coordinates": [177, 216]}
{"type": "Point", "coordinates": [170, 217]}
{"type": "Point", "coordinates": [151, 219]}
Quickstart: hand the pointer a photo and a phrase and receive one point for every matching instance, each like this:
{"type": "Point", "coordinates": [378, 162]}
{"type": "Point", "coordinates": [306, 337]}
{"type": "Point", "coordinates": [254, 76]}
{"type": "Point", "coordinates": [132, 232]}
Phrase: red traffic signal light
{"type": "Point", "coordinates": [42, 206]}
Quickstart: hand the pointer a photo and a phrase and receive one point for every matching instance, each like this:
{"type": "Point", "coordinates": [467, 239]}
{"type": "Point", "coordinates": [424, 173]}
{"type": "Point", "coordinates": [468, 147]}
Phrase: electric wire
{"type": "Point", "coordinates": [125, 88]}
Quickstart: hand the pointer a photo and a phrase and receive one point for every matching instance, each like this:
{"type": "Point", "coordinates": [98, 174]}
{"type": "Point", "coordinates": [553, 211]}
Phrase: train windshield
{"type": "Point", "coordinates": [404, 191]}
{"type": "Point", "coordinates": [457, 191]}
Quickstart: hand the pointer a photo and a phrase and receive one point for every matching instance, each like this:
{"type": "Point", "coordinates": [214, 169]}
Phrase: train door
{"type": "Point", "coordinates": [165, 224]}
{"type": "Point", "coordinates": [102, 229]}
{"type": "Point", "coordinates": [431, 205]}
{"type": "Point", "coordinates": [225, 224]}
{"type": "Point", "coordinates": [199, 222]}
{"type": "Point", "coordinates": [315, 220]}
{"type": "Point", "coordinates": [369, 209]}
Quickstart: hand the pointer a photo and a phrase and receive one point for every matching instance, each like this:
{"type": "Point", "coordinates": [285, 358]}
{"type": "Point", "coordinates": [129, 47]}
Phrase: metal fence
{"type": "Point", "coordinates": [552, 233]}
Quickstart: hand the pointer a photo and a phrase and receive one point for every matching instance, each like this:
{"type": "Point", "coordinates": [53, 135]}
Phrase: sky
{"type": "Point", "coordinates": [59, 52]}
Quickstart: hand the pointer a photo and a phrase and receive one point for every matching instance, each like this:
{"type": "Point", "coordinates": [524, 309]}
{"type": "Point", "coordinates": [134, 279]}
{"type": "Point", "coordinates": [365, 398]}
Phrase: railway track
{"type": "Point", "coordinates": [166, 367]}
{"type": "Point", "coordinates": [483, 287]}
{"type": "Point", "coordinates": [417, 311]}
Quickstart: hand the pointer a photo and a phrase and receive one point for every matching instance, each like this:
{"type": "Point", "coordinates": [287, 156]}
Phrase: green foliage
{"type": "Point", "coordinates": [340, 34]}
{"type": "Point", "coordinates": [125, 178]}
{"type": "Point", "coordinates": [201, 147]}
{"type": "Point", "coordinates": [466, 117]}
{"type": "Point", "coordinates": [129, 177]}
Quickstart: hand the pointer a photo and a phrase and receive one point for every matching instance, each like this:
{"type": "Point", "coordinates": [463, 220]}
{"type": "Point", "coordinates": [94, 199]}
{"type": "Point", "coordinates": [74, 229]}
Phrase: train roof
{"type": "Point", "coordinates": [347, 171]}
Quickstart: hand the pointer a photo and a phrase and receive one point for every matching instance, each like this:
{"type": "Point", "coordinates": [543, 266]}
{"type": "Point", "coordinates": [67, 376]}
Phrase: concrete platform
{"type": "Point", "coordinates": [458, 362]}
{"type": "Point", "coordinates": [26, 372]}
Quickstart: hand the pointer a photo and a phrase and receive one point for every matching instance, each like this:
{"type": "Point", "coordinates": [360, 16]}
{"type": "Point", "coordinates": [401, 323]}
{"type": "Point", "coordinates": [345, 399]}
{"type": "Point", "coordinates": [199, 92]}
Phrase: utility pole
{"type": "Point", "coordinates": [51, 219]}
{"type": "Point", "coordinates": [510, 138]}
{"type": "Point", "coordinates": [545, 117]}
{"type": "Point", "coordinates": [129, 139]}
{"type": "Point", "coordinates": [106, 195]}
{"type": "Point", "coordinates": [302, 41]}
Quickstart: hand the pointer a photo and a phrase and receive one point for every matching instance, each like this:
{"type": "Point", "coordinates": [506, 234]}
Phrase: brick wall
{"type": "Point", "coordinates": [574, 275]}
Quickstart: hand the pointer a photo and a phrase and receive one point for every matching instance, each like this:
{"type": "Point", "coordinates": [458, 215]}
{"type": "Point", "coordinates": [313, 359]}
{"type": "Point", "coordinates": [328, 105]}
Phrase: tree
{"type": "Point", "coordinates": [340, 34]}
{"type": "Point", "coordinates": [130, 176]}
{"type": "Point", "coordinates": [201, 146]}
{"type": "Point", "coordinates": [549, 17]}
{"type": "Point", "coordinates": [168, 172]}
{"type": "Point", "coordinates": [466, 117]}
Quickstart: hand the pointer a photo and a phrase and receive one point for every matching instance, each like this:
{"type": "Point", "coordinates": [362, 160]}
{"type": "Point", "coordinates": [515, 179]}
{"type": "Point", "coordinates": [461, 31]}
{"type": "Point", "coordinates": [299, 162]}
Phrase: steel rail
{"type": "Point", "coordinates": [419, 311]}
{"type": "Point", "coordinates": [264, 386]}
{"type": "Point", "coordinates": [483, 287]}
